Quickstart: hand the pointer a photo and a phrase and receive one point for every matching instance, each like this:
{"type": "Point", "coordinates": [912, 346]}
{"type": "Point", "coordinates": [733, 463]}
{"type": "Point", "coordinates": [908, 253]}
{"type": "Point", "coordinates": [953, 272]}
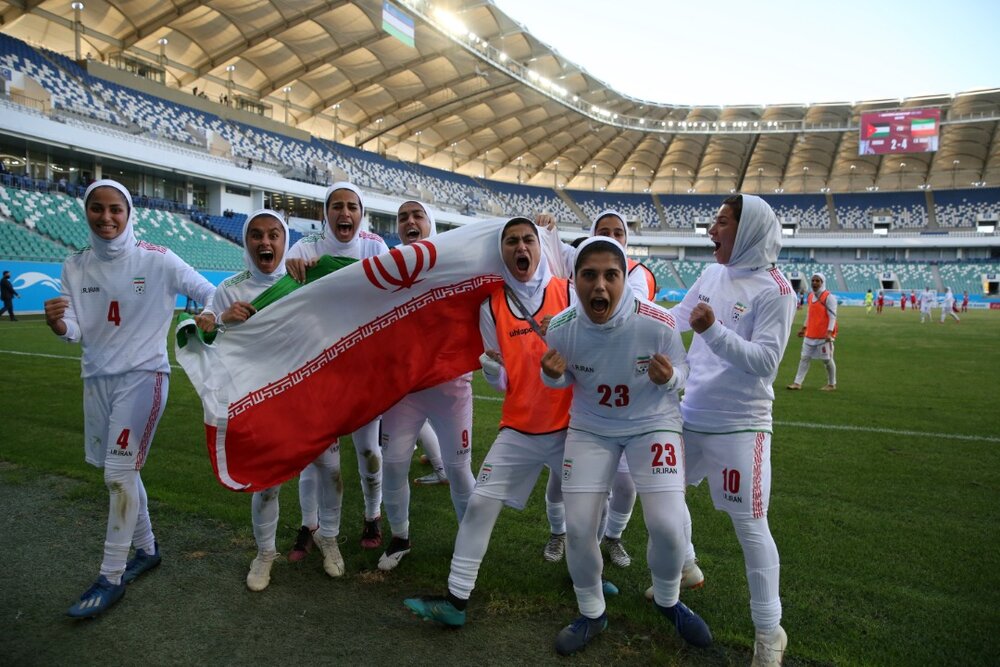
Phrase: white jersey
{"type": "Point", "coordinates": [120, 310]}
{"type": "Point", "coordinates": [928, 299]}
{"type": "Point", "coordinates": [240, 287]}
{"type": "Point", "coordinates": [315, 246]}
{"type": "Point", "coordinates": [734, 362]}
{"type": "Point", "coordinates": [613, 395]}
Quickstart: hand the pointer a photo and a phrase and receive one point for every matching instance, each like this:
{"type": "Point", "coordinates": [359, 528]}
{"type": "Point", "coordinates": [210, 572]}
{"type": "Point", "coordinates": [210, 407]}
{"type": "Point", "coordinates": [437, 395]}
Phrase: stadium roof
{"type": "Point", "coordinates": [480, 95]}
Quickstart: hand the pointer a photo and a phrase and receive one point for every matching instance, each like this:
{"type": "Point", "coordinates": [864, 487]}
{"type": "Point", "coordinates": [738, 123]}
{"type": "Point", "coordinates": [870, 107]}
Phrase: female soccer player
{"type": "Point", "coordinates": [447, 406]}
{"type": "Point", "coordinates": [626, 363]}
{"type": "Point", "coordinates": [118, 297]}
{"type": "Point", "coordinates": [342, 236]}
{"type": "Point", "coordinates": [741, 309]}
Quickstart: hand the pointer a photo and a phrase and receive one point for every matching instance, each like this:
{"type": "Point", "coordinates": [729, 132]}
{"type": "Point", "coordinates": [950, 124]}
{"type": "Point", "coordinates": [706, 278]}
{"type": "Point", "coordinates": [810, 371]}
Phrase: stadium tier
{"type": "Point", "coordinates": [18, 242]}
{"type": "Point", "coordinates": [682, 211]}
{"type": "Point", "coordinates": [965, 277]}
{"type": "Point", "coordinates": [530, 200]}
{"type": "Point", "coordinates": [635, 207]}
{"type": "Point", "coordinates": [664, 274]}
{"type": "Point", "coordinates": [855, 211]}
{"type": "Point", "coordinates": [960, 208]}
{"type": "Point", "coordinates": [809, 211]}
{"type": "Point", "coordinates": [862, 277]}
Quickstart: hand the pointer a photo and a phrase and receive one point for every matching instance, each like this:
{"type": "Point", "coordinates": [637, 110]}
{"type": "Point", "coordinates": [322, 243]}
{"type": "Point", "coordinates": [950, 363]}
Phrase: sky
{"type": "Point", "coordinates": [773, 51]}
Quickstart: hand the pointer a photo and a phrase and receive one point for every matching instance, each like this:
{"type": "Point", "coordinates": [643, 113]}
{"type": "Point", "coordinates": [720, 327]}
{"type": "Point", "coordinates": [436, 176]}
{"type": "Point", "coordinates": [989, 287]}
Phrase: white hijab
{"type": "Point", "coordinates": [624, 305]}
{"type": "Point", "coordinates": [605, 213]}
{"type": "Point", "coordinates": [758, 236]}
{"type": "Point", "coordinates": [117, 247]}
{"type": "Point", "coordinates": [428, 212]}
{"type": "Point", "coordinates": [532, 292]}
{"type": "Point", "coordinates": [264, 278]}
{"type": "Point", "coordinates": [338, 247]}
{"type": "Point", "coordinates": [822, 280]}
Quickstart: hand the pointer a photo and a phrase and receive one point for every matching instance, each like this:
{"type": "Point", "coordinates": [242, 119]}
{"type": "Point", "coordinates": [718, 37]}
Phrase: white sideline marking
{"type": "Point", "coordinates": [820, 427]}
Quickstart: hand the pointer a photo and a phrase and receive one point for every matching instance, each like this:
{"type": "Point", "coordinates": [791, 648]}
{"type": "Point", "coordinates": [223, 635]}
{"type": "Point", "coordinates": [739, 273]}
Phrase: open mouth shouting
{"type": "Point", "coordinates": [412, 234]}
{"type": "Point", "coordinates": [265, 259]}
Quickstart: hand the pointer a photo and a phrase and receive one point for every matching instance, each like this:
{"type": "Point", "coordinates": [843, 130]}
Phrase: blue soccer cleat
{"type": "Point", "coordinates": [690, 625]}
{"type": "Point", "coordinates": [575, 636]}
{"type": "Point", "coordinates": [437, 609]}
{"type": "Point", "coordinates": [141, 562]}
{"type": "Point", "coordinates": [97, 599]}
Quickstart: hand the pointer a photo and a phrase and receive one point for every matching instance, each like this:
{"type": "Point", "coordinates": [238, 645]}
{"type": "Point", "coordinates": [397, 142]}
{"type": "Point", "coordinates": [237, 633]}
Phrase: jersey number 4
{"type": "Point", "coordinates": [620, 393]}
{"type": "Point", "coordinates": [113, 315]}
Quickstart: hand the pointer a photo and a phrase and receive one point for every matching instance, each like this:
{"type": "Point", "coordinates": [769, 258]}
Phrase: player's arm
{"type": "Point", "coordinates": [60, 314]}
{"type": "Point", "coordinates": [298, 260]}
{"type": "Point", "coordinates": [761, 354]}
{"type": "Point", "coordinates": [493, 370]}
{"type": "Point", "coordinates": [189, 282]}
{"type": "Point", "coordinates": [554, 373]}
{"type": "Point", "coordinates": [682, 311]}
{"type": "Point", "coordinates": [805, 323]}
{"type": "Point", "coordinates": [673, 357]}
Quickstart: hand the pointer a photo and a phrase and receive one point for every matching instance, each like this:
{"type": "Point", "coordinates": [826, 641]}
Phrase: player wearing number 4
{"type": "Point", "coordinates": [626, 363]}
{"type": "Point", "coordinates": [741, 310]}
{"type": "Point", "coordinates": [118, 297]}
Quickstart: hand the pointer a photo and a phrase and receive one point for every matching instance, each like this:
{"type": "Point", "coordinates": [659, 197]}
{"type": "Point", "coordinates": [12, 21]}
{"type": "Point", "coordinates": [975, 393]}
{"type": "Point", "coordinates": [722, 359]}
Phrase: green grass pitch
{"type": "Point", "coordinates": [884, 509]}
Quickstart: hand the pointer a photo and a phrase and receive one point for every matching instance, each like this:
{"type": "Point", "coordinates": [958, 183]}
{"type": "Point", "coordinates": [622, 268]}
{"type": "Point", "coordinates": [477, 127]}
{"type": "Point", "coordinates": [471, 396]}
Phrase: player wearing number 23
{"type": "Point", "coordinates": [118, 298]}
{"type": "Point", "coordinates": [626, 363]}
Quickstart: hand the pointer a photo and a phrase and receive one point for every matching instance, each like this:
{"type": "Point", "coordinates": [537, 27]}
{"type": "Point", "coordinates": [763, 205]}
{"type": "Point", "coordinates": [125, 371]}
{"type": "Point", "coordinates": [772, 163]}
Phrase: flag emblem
{"type": "Point", "coordinates": [738, 311]}
{"type": "Point", "coordinates": [484, 473]}
{"type": "Point", "coordinates": [642, 365]}
{"type": "Point", "coordinates": [139, 285]}
{"type": "Point", "coordinates": [567, 469]}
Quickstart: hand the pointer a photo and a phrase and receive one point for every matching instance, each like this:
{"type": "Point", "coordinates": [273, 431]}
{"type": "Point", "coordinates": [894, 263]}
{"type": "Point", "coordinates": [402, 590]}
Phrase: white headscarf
{"type": "Point", "coordinates": [338, 247]}
{"type": "Point", "coordinates": [822, 285]}
{"type": "Point", "coordinates": [604, 214]}
{"type": "Point", "coordinates": [758, 236]}
{"type": "Point", "coordinates": [624, 305]}
{"type": "Point", "coordinates": [428, 212]}
{"type": "Point", "coordinates": [532, 292]}
{"type": "Point", "coordinates": [265, 278]}
{"type": "Point", "coordinates": [117, 247]}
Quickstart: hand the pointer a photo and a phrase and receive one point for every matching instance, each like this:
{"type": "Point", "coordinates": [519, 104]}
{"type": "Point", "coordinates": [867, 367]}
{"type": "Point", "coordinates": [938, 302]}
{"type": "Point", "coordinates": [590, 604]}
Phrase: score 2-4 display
{"type": "Point", "coordinates": [885, 132]}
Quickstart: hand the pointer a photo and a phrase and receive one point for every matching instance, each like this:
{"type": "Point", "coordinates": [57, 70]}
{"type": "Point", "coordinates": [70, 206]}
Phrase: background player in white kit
{"type": "Point", "coordinates": [448, 407]}
{"type": "Point", "coordinates": [118, 297]}
{"type": "Point", "coordinates": [948, 305]}
{"type": "Point", "coordinates": [626, 363]}
{"type": "Point", "coordinates": [342, 236]}
{"type": "Point", "coordinates": [818, 333]}
{"type": "Point", "coordinates": [928, 299]}
{"type": "Point", "coordinates": [741, 310]}
{"type": "Point", "coordinates": [534, 419]}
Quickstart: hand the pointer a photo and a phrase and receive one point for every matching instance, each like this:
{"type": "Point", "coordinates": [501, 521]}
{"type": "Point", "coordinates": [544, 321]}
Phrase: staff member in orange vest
{"type": "Point", "coordinates": [818, 333]}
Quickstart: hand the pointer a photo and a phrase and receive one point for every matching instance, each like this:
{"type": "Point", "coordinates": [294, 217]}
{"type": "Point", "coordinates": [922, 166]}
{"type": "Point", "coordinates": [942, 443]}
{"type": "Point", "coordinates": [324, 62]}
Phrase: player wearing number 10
{"type": "Point", "coordinates": [741, 310]}
{"type": "Point", "coordinates": [117, 301]}
{"type": "Point", "coordinates": [625, 360]}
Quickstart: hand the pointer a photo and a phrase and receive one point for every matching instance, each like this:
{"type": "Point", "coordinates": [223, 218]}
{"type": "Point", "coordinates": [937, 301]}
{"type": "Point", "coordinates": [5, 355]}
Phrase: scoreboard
{"type": "Point", "coordinates": [913, 131]}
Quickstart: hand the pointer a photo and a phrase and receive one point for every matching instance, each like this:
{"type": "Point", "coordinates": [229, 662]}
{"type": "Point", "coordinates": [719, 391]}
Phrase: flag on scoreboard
{"type": "Point", "coordinates": [878, 130]}
{"type": "Point", "coordinates": [333, 355]}
{"type": "Point", "coordinates": [397, 24]}
{"type": "Point", "coordinates": [923, 127]}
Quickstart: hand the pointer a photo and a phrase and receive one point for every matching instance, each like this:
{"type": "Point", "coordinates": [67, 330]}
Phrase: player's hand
{"type": "Point", "coordinates": [802, 332]}
{"type": "Point", "coordinates": [55, 309]}
{"type": "Point", "coordinates": [553, 364]}
{"type": "Point", "coordinates": [205, 321]}
{"type": "Point", "coordinates": [546, 221]}
{"type": "Point", "coordinates": [296, 268]}
{"type": "Point", "coordinates": [238, 312]}
{"type": "Point", "coordinates": [829, 339]}
{"type": "Point", "coordinates": [544, 324]}
{"type": "Point", "coordinates": [702, 317]}
{"type": "Point", "coordinates": [491, 362]}
{"type": "Point", "coordinates": [660, 369]}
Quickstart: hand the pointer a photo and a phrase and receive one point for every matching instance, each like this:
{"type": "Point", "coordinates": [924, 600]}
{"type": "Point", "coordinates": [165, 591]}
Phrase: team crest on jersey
{"type": "Point", "coordinates": [738, 310]}
{"type": "Point", "coordinates": [484, 473]}
{"type": "Point", "coordinates": [567, 469]}
{"type": "Point", "coordinates": [139, 285]}
{"type": "Point", "coordinates": [642, 365]}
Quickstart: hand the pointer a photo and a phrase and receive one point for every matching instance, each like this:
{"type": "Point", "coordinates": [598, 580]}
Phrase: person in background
{"type": "Point", "coordinates": [7, 295]}
{"type": "Point", "coordinates": [818, 332]}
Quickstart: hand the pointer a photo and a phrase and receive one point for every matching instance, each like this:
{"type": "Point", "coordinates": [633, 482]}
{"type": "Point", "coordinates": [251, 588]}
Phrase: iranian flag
{"type": "Point", "coordinates": [877, 130]}
{"type": "Point", "coordinates": [923, 127]}
{"type": "Point", "coordinates": [328, 358]}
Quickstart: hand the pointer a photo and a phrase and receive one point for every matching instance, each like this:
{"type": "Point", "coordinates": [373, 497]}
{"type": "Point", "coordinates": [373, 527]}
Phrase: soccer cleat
{"type": "Point", "coordinates": [795, 386]}
{"type": "Point", "coordinates": [555, 548]}
{"type": "Point", "coordinates": [333, 562]}
{"type": "Point", "coordinates": [371, 533]}
{"type": "Point", "coordinates": [437, 609]}
{"type": "Point", "coordinates": [690, 625]}
{"type": "Point", "coordinates": [260, 571]}
{"type": "Point", "coordinates": [575, 636]}
{"type": "Point", "coordinates": [398, 547]}
{"type": "Point", "coordinates": [692, 578]}
{"type": "Point", "coordinates": [828, 387]}
{"type": "Point", "coordinates": [97, 599]}
{"type": "Point", "coordinates": [769, 648]}
{"type": "Point", "coordinates": [432, 479]}
{"type": "Point", "coordinates": [616, 552]}
{"type": "Point", "coordinates": [303, 544]}
{"type": "Point", "coordinates": [141, 562]}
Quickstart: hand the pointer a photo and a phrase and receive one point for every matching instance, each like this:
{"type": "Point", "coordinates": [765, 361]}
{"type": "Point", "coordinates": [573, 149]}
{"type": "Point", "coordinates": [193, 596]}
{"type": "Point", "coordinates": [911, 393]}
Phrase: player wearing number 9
{"type": "Point", "coordinates": [626, 363]}
{"type": "Point", "coordinates": [741, 309]}
{"type": "Point", "coordinates": [117, 301]}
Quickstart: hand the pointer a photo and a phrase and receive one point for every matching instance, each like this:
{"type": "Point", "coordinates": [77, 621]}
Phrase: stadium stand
{"type": "Point", "coordinates": [683, 210]}
{"type": "Point", "coordinates": [961, 276]}
{"type": "Point", "coordinates": [959, 208]}
{"type": "Point", "coordinates": [17, 242]}
{"type": "Point", "coordinates": [855, 211]}
{"type": "Point", "coordinates": [635, 207]}
{"type": "Point", "coordinates": [808, 210]}
{"type": "Point", "coordinates": [689, 270]}
{"type": "Point", "coordinates": [530, 201]}
{"type": "Point", "coordinates": [665, 278]}
{"type": "Point", "coordinates": [861, 277]}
